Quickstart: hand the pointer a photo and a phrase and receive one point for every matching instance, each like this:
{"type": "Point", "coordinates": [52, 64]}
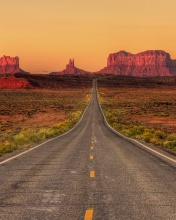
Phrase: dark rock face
{"type": "Point", "coordinates": [148, 63]}
{"type": "Point", "coordinates": [10, 65]}
{"type": "Point", "coordinates": [70, 69]}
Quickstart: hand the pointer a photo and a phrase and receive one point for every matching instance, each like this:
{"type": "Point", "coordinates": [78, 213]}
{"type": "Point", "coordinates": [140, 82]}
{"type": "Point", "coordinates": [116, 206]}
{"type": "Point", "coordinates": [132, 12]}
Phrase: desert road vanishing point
{"type": "Point", "coordinates": [88, 173]}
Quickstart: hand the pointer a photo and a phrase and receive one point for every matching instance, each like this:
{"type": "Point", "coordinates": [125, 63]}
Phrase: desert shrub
{"type": "Point", "coordinates": [134, 131]}
{"type": "Point", "coordinates": [147, 136]}
{"type": "Point", "coordinates": [171, 137]}
{"type": "Point", "coordinates": [117, 126]}
{"type": "Point", "coordinates": [33, 137]}
{"type": "Point", "coordinates": [129, 132]}
{"type": "Point", "coordinates": [160, 135]}
{"type": "Point", "coordinates": [51, 132]}
{"type": "Point", "coordinates": [21, 139]}
{"type": "Point", "coordinates": [141, 129]}
{"type": "Point", "coordinates": [26, 137]}
{"type": "Point", "coordinates": [63, 127]}
{"type": "Point", "coordinates": [42, 133]}
{"type": "Point", "coordinates": [6, 147]}
{"type": "Point", "coordinates": [108, 115]}
{"type": "Point", "coordinates": [148, 130]}
{"type": "Point", "coordinates": [170, 144]}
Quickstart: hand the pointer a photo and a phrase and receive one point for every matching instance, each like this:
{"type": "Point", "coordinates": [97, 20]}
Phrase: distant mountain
{"type": "Point", "coordinates": [70, 69]}
{"type": "Point", "coordinates": [10, 65]}
{"type": "Point", "coordinates": [147, 63]}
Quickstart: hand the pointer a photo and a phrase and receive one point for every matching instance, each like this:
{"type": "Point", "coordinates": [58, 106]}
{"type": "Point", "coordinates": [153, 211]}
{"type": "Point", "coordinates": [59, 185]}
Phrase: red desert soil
{"type": "Point", "coordinates": [38, 108]}
{"type": "Point", "coordinates": [147, 102]}
{"type": "Point", "coordinates": [41, 119]}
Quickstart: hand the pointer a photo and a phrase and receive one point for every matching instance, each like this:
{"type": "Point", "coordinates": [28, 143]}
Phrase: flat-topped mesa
{"type": "Point", "coordinates": [147, 63]}
{"type": "Point", "coordinates": [9, 60]}
{"type": "Point", "coordinates": [147, 58]}
{"type": "Point", "coordinates": [10, 65]}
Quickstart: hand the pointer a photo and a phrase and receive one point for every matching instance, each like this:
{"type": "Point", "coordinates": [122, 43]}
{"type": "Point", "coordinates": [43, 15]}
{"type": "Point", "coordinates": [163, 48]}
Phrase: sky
{"type": "Point", "coordinates": [45, 34]}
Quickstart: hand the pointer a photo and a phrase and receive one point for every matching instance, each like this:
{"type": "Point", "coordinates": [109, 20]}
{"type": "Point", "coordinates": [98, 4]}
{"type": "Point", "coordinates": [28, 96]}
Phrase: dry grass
{"type": "Point", "coordinates": [141, 112]}
{"type": "Point", "coordinates": [29, 116]}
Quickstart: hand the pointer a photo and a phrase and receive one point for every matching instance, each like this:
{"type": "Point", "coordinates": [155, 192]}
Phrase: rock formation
{"type": "Point", "coordinates": [12, 82]}
{"type": "Point", "coordinates": [70, 69]}
{"type": "Point", "coordinates": [148, 63]}
{"type": "Point", "coordinates": [10, 65]}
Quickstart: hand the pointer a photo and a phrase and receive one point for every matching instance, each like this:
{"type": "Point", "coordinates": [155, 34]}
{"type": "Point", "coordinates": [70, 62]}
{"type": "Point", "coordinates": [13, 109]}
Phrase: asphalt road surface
{"type": "Point", "coordinates": [88, 173]}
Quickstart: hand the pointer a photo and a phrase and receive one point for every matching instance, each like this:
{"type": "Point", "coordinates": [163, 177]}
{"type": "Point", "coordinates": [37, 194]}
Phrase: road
{"type": "Point", "coordinates": [88, 173]}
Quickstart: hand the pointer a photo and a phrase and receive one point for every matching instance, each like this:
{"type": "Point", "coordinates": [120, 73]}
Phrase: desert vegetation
{"type": "Point", "coordinates": [28, 117]}
{"type": "Point", "coordinates": [143, 112]}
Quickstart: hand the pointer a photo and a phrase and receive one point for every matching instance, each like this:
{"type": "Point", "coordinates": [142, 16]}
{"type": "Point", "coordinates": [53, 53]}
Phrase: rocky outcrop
{"type": "Point", "coordinates": [148, 63]}
{"type": "Point", "coordinates": [12, 82]}
{"type": "Point", "coordinates": [70, 69]}
{"type": "Point", "coordinates": [45, 81]}
{"type": "Point", "coordinates": [10, 65]}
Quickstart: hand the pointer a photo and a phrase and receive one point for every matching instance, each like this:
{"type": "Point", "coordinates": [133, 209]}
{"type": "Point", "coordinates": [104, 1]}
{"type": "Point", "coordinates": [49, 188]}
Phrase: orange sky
{"type": "Point", "coordinates": [45, 34]}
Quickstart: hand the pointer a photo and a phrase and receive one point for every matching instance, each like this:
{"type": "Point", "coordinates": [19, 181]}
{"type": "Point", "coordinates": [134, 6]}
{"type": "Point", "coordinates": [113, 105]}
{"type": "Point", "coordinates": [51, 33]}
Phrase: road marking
{"type": "Point", "coordinates": [88, 214]}
{"type": "Point", "coordinates": [153, 150]}
{"type": "Point", "coordinates": [92, 173]}
{"type": "Point", "coordinates": [92, 147]}
{"type": "Point", "coordinates": [91, 157]}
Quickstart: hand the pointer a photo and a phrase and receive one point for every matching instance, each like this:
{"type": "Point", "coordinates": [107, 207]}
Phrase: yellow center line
{"type": "Point", "coordinates": [92, 173]}
{"type": "Point", "coordinates": [91, 157]}
{"type": "Point", "coordinates": [88, 214]}
{"type": "Point", "coordinates": [92, 147]}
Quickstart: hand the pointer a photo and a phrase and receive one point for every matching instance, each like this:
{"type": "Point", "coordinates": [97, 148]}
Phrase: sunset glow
{"type": "Point", "coordinates": [45, 34]}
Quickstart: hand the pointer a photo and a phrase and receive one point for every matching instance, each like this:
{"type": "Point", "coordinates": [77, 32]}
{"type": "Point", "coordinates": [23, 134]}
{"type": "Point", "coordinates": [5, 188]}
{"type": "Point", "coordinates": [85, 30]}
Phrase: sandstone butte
{"type": "Point", "coordinates": [10, 65]}
{"type": "Point", "coordinates": [70, 69]}
{"type": "Point", "coordinates": [147, 63]}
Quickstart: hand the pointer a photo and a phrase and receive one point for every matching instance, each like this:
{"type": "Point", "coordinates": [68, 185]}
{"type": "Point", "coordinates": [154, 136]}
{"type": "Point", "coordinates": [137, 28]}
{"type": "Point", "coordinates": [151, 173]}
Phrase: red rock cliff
{"type": "Point", "coordinates": [148, 63]}
{"type": "Point", "coordinates": [10, 65]}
